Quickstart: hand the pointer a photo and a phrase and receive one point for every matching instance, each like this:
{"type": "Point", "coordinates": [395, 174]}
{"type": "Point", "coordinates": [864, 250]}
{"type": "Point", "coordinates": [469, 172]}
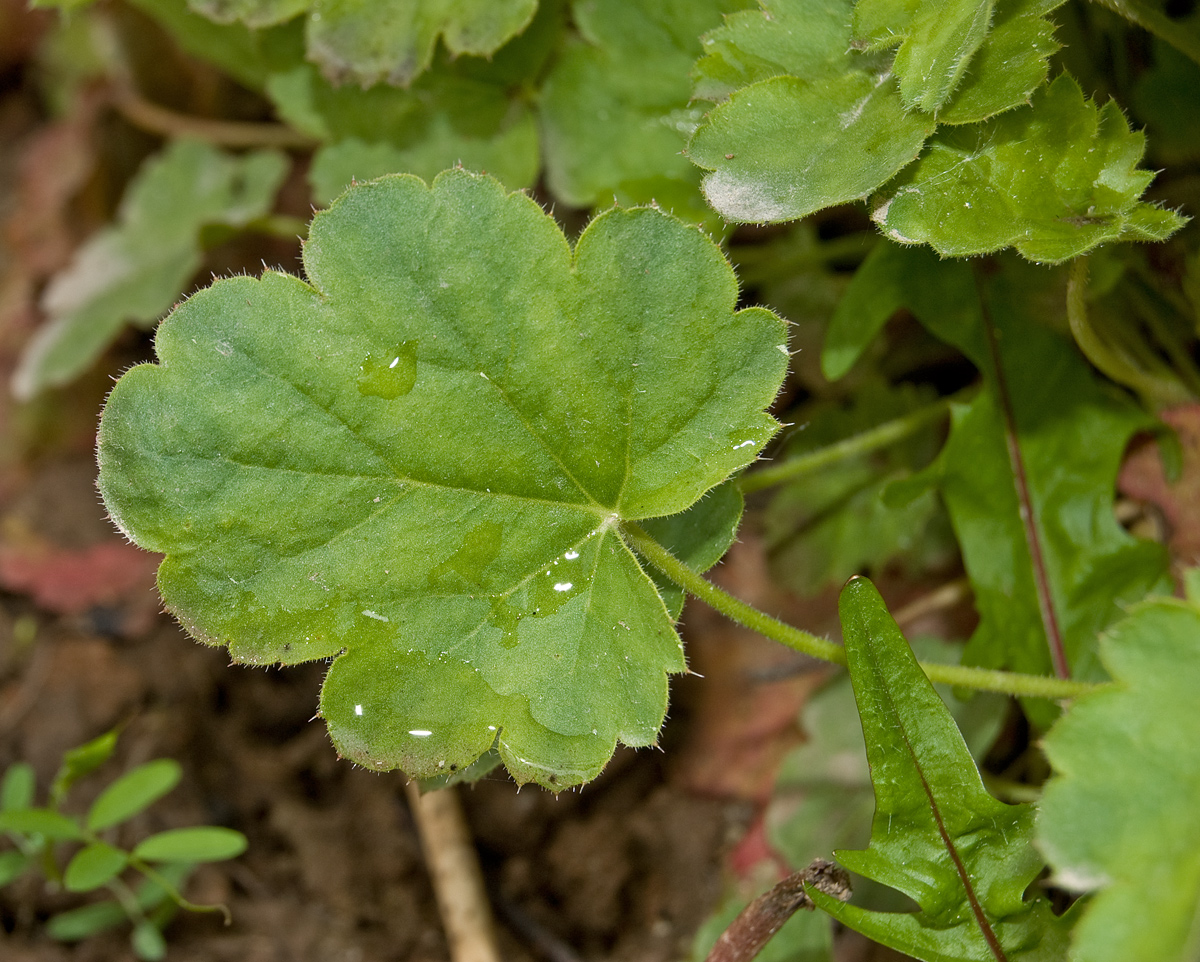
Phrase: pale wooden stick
{"type": "Point", "coordinates": [453, 866]}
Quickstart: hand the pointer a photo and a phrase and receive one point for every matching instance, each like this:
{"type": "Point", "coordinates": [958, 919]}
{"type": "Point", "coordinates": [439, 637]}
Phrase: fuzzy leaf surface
{"type": "Point", "coordinates": [367, 41]}
{"type": "Point", "coordinates": [809, 125]}
{"type": "Point", "coordinates": [1071, 432]}
{"type": "Point", "coordinates": [936, 43]}
{"type": "Point", "coordinates": [418, 462]}
{"type": "Point", "coordinates": [1054, 180]}
{"type": "Point", "coordinates": [1135, 839]}
{"type": "Point", "coordinates": [134, 270]}
{"type": "Point", "coordinates": [937, 835]}
{"type": "Point", "coordinates": [616, 109]}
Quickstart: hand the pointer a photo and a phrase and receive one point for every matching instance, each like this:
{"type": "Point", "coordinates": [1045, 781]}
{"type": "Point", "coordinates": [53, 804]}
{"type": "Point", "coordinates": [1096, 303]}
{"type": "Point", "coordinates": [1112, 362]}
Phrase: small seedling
{"type": "Point", "coordinates": [41, 835]}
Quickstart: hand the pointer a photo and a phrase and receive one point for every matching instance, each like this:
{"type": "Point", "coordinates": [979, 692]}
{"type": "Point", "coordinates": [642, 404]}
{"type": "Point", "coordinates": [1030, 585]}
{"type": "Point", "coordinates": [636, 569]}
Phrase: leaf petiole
{"type": "Point", "coordinates": [979, 679]}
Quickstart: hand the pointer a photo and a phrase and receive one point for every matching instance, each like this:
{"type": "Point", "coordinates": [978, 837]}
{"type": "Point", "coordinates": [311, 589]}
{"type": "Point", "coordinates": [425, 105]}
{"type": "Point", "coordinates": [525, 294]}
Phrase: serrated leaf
{"type": "Point", "coordinates": [202, 844]}
{"type": "Point", "coordinates": [616, 110]}
{"type": "Point", "coordinates": [80, 761]}
{"type": "Point", "coordinates": [16, 791]}
{"type": "Point", "coordinates": [367, 41]}
{"type": "Point", "coordinates": [964, 61]}
{"type": "Point", "coordinates": [937, 835]}
{"type": "Point", "coordinates": [132, 792]}
{"type": "Point", "coordinates": [93, 866]}
{"type": "Point", "coordinates": [1120, 814]}
{"type": "Point", "coordinates": [1070, 432]}
{"type": "Point", "coordinates": [1012, 63]}
{"type": "Point", "coordinates": [443, 120]}
{"type": "Point", "coordinates": [134, 270]}
{"type": "Point", "coordinates": [419, 465]}
{"type": "Point", "coordinates": [1054, 180]}
{"type": "Point", "coordinates": [822, 126]}
{"type": "Point", "coordinates": [936, 43]}
{"type": "Point", "coordinates": [40, 821]}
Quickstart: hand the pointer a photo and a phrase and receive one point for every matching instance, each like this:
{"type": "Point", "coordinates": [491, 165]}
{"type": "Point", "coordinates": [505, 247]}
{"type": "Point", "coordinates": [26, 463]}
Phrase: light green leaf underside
{"type": "Point", "coordinates": [615, 108]}
{"type": "Point", "coordinates": [423, 459]}
{"type": "Point", "coordinates": [134, 270]}
{"type": "Point", "coordinates": [937, 835]}
{"type": "Point", "coordinates": [1137, 839]}
{"type": "Point", "coordinates": [1071, 432]}
{"type": "Point", "coordinates": [367, 41]}
{"type": "Point", "coordinates": [1053, 180]}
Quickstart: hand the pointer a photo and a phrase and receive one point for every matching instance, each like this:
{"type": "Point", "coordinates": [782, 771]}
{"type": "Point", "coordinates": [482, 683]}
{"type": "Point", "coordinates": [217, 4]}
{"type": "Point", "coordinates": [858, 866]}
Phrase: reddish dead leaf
{"type": "Point", "coordinates": [1142, 479]}
{"type": "Point", "coordinates": [71, 582]}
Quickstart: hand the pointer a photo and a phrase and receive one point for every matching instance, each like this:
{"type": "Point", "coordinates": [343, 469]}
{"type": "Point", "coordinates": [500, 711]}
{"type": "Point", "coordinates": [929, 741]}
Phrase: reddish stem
{"type": "Point", "coordinates": [1041, 578]}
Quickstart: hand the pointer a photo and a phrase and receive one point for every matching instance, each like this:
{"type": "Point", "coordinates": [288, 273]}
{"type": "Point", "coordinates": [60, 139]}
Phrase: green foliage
{"type": "Point", "coordinates": [1069, 432]}
{"type": "Point", "coordinates": [164, 859]}
{"type": "Point", "coordinates": [1053, 180]}
{"type": "Point", "coordinates": [830, 524]}
{"type": "Point", "coordinates": [1120, 813]}
{"type": "Point", "coordinates": [392, 40]}
{"type": "Point", "coordinates": [965, 858]}
{"type": "Point", "coordinates": [820, 113]}
{"type": "Point", "coordinates": [615, 106]}
{"type": "Point", "coordinates": [809, 124]}
{"type": "Point", "coordinates": [424, 459]}
{"type": "Point", "coordinates": [136, 269]}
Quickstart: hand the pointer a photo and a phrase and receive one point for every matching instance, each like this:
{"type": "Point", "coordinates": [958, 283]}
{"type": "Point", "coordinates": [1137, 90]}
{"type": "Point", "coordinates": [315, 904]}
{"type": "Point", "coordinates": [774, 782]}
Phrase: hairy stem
{"type": "Point", "coordinates": [979, 679]}
{"type": "Point", "coordinates": [877, 437]}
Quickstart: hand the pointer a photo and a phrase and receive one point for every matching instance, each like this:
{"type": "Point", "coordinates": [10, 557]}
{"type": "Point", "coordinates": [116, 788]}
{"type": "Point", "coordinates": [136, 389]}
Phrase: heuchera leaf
{"type": "Point", "coordinates": [1053, 180]}
{"type": "Point", "coordinates": [816, 125]}
{"type": "Point", "coordinates": [615, 107]}
{"type": "Point", "coordinates": [1070, 432]}
{"type": "Point", "coordinates": [371, 40]}
{"type": "Point", "coordinates": [134, 270]}
{"type": "Point", "coordinates": [418, 464]}
{"type": "Point", "coordinates": [1120, 812]}
{"type": "Point", "coordinates": [965, 858]}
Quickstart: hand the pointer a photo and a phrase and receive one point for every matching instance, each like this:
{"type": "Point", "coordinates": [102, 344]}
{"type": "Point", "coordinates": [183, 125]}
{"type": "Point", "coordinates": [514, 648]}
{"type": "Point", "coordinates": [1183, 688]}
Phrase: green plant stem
{"type": "Point", "coordinates": [174, 894]}
{"type": "Point", "coordinates": [877, 437]}
{"type": "Point", "coordinates": [979, 679]}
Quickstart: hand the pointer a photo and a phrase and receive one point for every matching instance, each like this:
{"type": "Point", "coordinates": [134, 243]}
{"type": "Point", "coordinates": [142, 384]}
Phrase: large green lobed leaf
{"type": "Point", "coordinates": [1120, 814]}
{"type": "Point", "coordinates": [418, 464]}
{"type": "Point", "coordinates": [965, 858]}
